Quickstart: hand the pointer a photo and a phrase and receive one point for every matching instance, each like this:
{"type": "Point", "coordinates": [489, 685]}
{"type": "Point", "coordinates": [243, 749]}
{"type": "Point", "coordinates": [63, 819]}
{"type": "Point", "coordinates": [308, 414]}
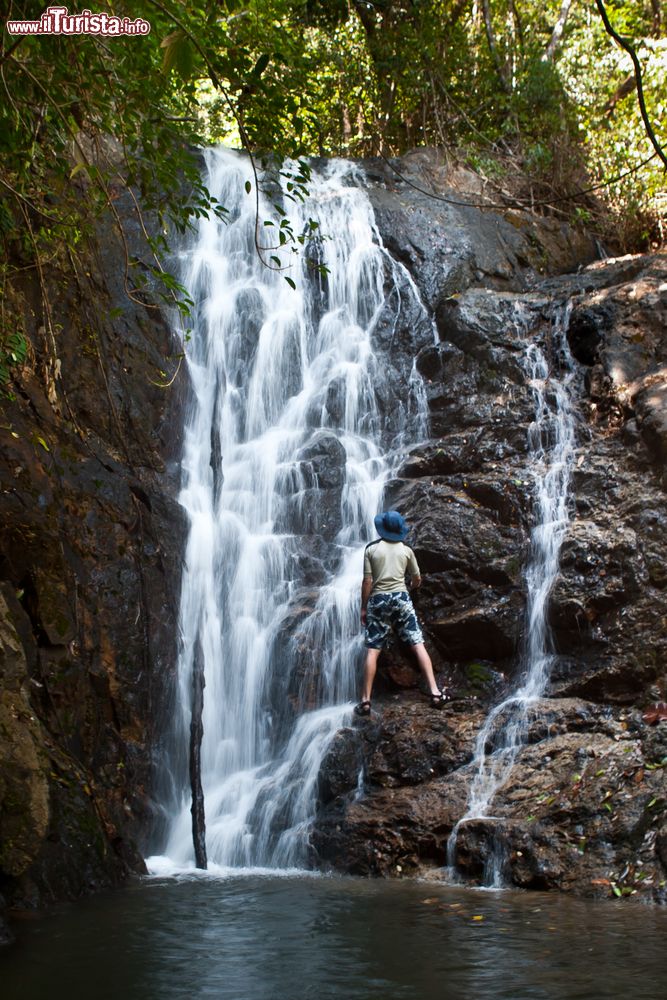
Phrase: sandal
{"type": "Point", "coordinates": [439, 700]}
{"type": "Point", "coordinates": [363, 708]}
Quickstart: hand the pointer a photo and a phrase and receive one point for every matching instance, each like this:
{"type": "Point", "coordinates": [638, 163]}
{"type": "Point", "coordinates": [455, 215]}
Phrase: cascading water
{"type": "Point", "coordinates": [552, 444]}
{"type": "Point", "coordinates": [284, 417]}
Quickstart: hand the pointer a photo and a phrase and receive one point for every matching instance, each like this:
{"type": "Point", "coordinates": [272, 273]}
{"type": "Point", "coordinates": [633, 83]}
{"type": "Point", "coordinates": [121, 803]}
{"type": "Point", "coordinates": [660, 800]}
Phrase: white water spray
{"type": "Point", "coordinates": [284, 414]}
{"type": "Point", "coordinates": [552, 445]}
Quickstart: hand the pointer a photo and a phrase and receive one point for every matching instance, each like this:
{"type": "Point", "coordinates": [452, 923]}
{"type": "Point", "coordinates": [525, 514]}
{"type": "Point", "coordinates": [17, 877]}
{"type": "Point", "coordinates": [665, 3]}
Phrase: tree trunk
{"type": "Point", "coordinates": [557, 33]}
{"type": "Point", "coordinates": [196, 733]}
{"type": "Point", "coordinates": [657, 18]}
{"type": "Point", "coordinates": [493, 47]}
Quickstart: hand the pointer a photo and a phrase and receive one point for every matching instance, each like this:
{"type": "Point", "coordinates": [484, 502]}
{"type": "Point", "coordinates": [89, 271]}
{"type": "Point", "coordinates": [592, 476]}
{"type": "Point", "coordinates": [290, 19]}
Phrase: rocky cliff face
{"type": "Point", "coordinates": [89, 568]}
{"type": "Point", "coordinates": [92, 541]}
{"type": "Point", "coordinates": [585, 807]}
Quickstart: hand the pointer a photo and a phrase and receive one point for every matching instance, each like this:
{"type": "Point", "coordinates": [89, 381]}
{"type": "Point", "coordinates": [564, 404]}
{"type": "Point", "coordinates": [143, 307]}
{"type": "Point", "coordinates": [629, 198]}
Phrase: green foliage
{"type": "Point", "coordinates": [13, 352]}
{"type": "Point", "coordinates": [13, 343]}
{"type": "Point", "coordinates": [85, 119]}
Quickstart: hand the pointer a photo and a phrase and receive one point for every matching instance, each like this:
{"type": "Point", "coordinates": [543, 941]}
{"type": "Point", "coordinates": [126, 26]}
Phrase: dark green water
{"type": "Point", "coordinates": [266, 938]}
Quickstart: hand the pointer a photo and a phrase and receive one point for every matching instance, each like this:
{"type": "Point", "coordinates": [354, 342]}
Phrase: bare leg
{"type": "Point", "coordinates": [370, 667]}
{"type": "Point", "coordinates": [426, 667]}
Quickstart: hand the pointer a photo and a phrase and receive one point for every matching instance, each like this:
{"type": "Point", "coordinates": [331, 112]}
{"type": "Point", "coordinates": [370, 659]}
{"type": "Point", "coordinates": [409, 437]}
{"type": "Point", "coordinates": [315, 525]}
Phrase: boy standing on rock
{"type": "Point", "coordinates": [386, 604]}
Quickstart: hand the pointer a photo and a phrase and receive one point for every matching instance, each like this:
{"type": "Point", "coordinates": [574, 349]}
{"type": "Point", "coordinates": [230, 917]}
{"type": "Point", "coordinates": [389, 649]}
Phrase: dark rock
{"type": "Point", "coordinates": [582, 813]}
{"type": "Point", "coordinates": [89, 567]}
{"type": "Point", "coordinates": [583, 809]}
{"type": "Point", "coordinates": [342, 766]}
{"type": "Point", "coordinates": [324, 460]}
{"type": "Point", "coordinates": [586, 330]}
{"type": "Point", "coordinates": [428, 214]}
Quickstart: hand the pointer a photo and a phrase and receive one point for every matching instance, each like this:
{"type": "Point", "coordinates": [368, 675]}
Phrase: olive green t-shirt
{"type": "Point", "coordinates": [387, 563]}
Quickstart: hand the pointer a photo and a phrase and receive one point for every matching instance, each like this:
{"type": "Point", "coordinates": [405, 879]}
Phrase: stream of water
{"type": "Point", "coordinates": [285, 458]}
{"type": "Point", "coordinates": [549, 371]}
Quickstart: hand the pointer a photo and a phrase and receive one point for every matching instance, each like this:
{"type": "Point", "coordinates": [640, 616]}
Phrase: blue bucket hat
{"type": "Point", "coordinates": [391, 526]}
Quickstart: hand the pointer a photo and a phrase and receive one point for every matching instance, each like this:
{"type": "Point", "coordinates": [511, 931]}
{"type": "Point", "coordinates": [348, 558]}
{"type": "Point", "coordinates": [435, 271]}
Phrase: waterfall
{"type": "Point", "coordinates": [551, 440]}
{"type": "Point", "coordinates": [285, 457]}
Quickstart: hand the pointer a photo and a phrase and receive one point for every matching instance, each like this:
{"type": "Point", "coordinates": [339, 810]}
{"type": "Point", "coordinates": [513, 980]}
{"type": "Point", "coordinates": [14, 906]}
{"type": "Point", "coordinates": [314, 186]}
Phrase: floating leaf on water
{"type": "Point", "coordinates": [478, 916]}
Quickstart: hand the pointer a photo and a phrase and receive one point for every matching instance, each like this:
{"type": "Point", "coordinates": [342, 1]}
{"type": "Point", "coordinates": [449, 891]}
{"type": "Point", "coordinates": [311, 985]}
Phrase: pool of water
{"type": "Point", "coordinates": [260, 937]}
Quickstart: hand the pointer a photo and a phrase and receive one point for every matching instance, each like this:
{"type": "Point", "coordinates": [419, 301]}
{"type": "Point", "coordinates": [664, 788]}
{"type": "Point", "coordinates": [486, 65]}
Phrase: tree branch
{"type": "Point", "coordinates": [6, 55]}
{"type": "Point", "coordinates": [625, 44]}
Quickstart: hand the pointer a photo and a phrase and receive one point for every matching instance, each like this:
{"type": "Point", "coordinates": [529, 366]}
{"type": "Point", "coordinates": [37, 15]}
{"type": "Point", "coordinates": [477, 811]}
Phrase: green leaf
{"type": "Point", "coordinates": [178, 55]}
{"type": "Point", "coordinates": [290, 282]}
{"type": "Point", "coordinates": [248, 187]}
{"type": "Point", "coordinates": [261, 64]}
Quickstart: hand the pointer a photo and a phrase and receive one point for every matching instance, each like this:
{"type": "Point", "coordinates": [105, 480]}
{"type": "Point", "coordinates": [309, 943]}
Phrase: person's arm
{"type": "Point", "coordinates": [413, 571]}
{"type": "Point", "coordinates": [366, 587]}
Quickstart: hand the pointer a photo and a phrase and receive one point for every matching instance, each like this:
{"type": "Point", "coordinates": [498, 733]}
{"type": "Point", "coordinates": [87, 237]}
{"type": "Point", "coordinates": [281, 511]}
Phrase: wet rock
{"type": "Point", "coordinates": [469, 542]}
{"type": "Point", "coordinates": [324, 460]}
{"type": "Point", "coordinates": [24, 791]}
{"type": "Point", "coordinates": [583, 810]}
{"type": "Point", "coordinates": [89, 562]}
{"type": "Point", "coordinates": [311, 503]}
{"type": "Point", "coordinates": [586, 331]}
{"type": "Point", "coordinates": [342, 767]}
{"type": "Point", "coordinates": [403, 326]}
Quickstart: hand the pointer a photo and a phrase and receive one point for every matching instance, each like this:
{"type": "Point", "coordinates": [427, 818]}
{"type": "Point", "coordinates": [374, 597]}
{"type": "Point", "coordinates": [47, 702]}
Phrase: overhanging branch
{"type": "Point", "coordinates": [625, 44]}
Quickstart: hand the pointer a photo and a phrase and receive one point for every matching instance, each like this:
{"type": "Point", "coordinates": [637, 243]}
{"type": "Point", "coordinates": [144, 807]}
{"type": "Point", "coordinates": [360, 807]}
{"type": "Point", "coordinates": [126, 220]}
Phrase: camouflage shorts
{"type": "Point", "coordinates": [391, 611]}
